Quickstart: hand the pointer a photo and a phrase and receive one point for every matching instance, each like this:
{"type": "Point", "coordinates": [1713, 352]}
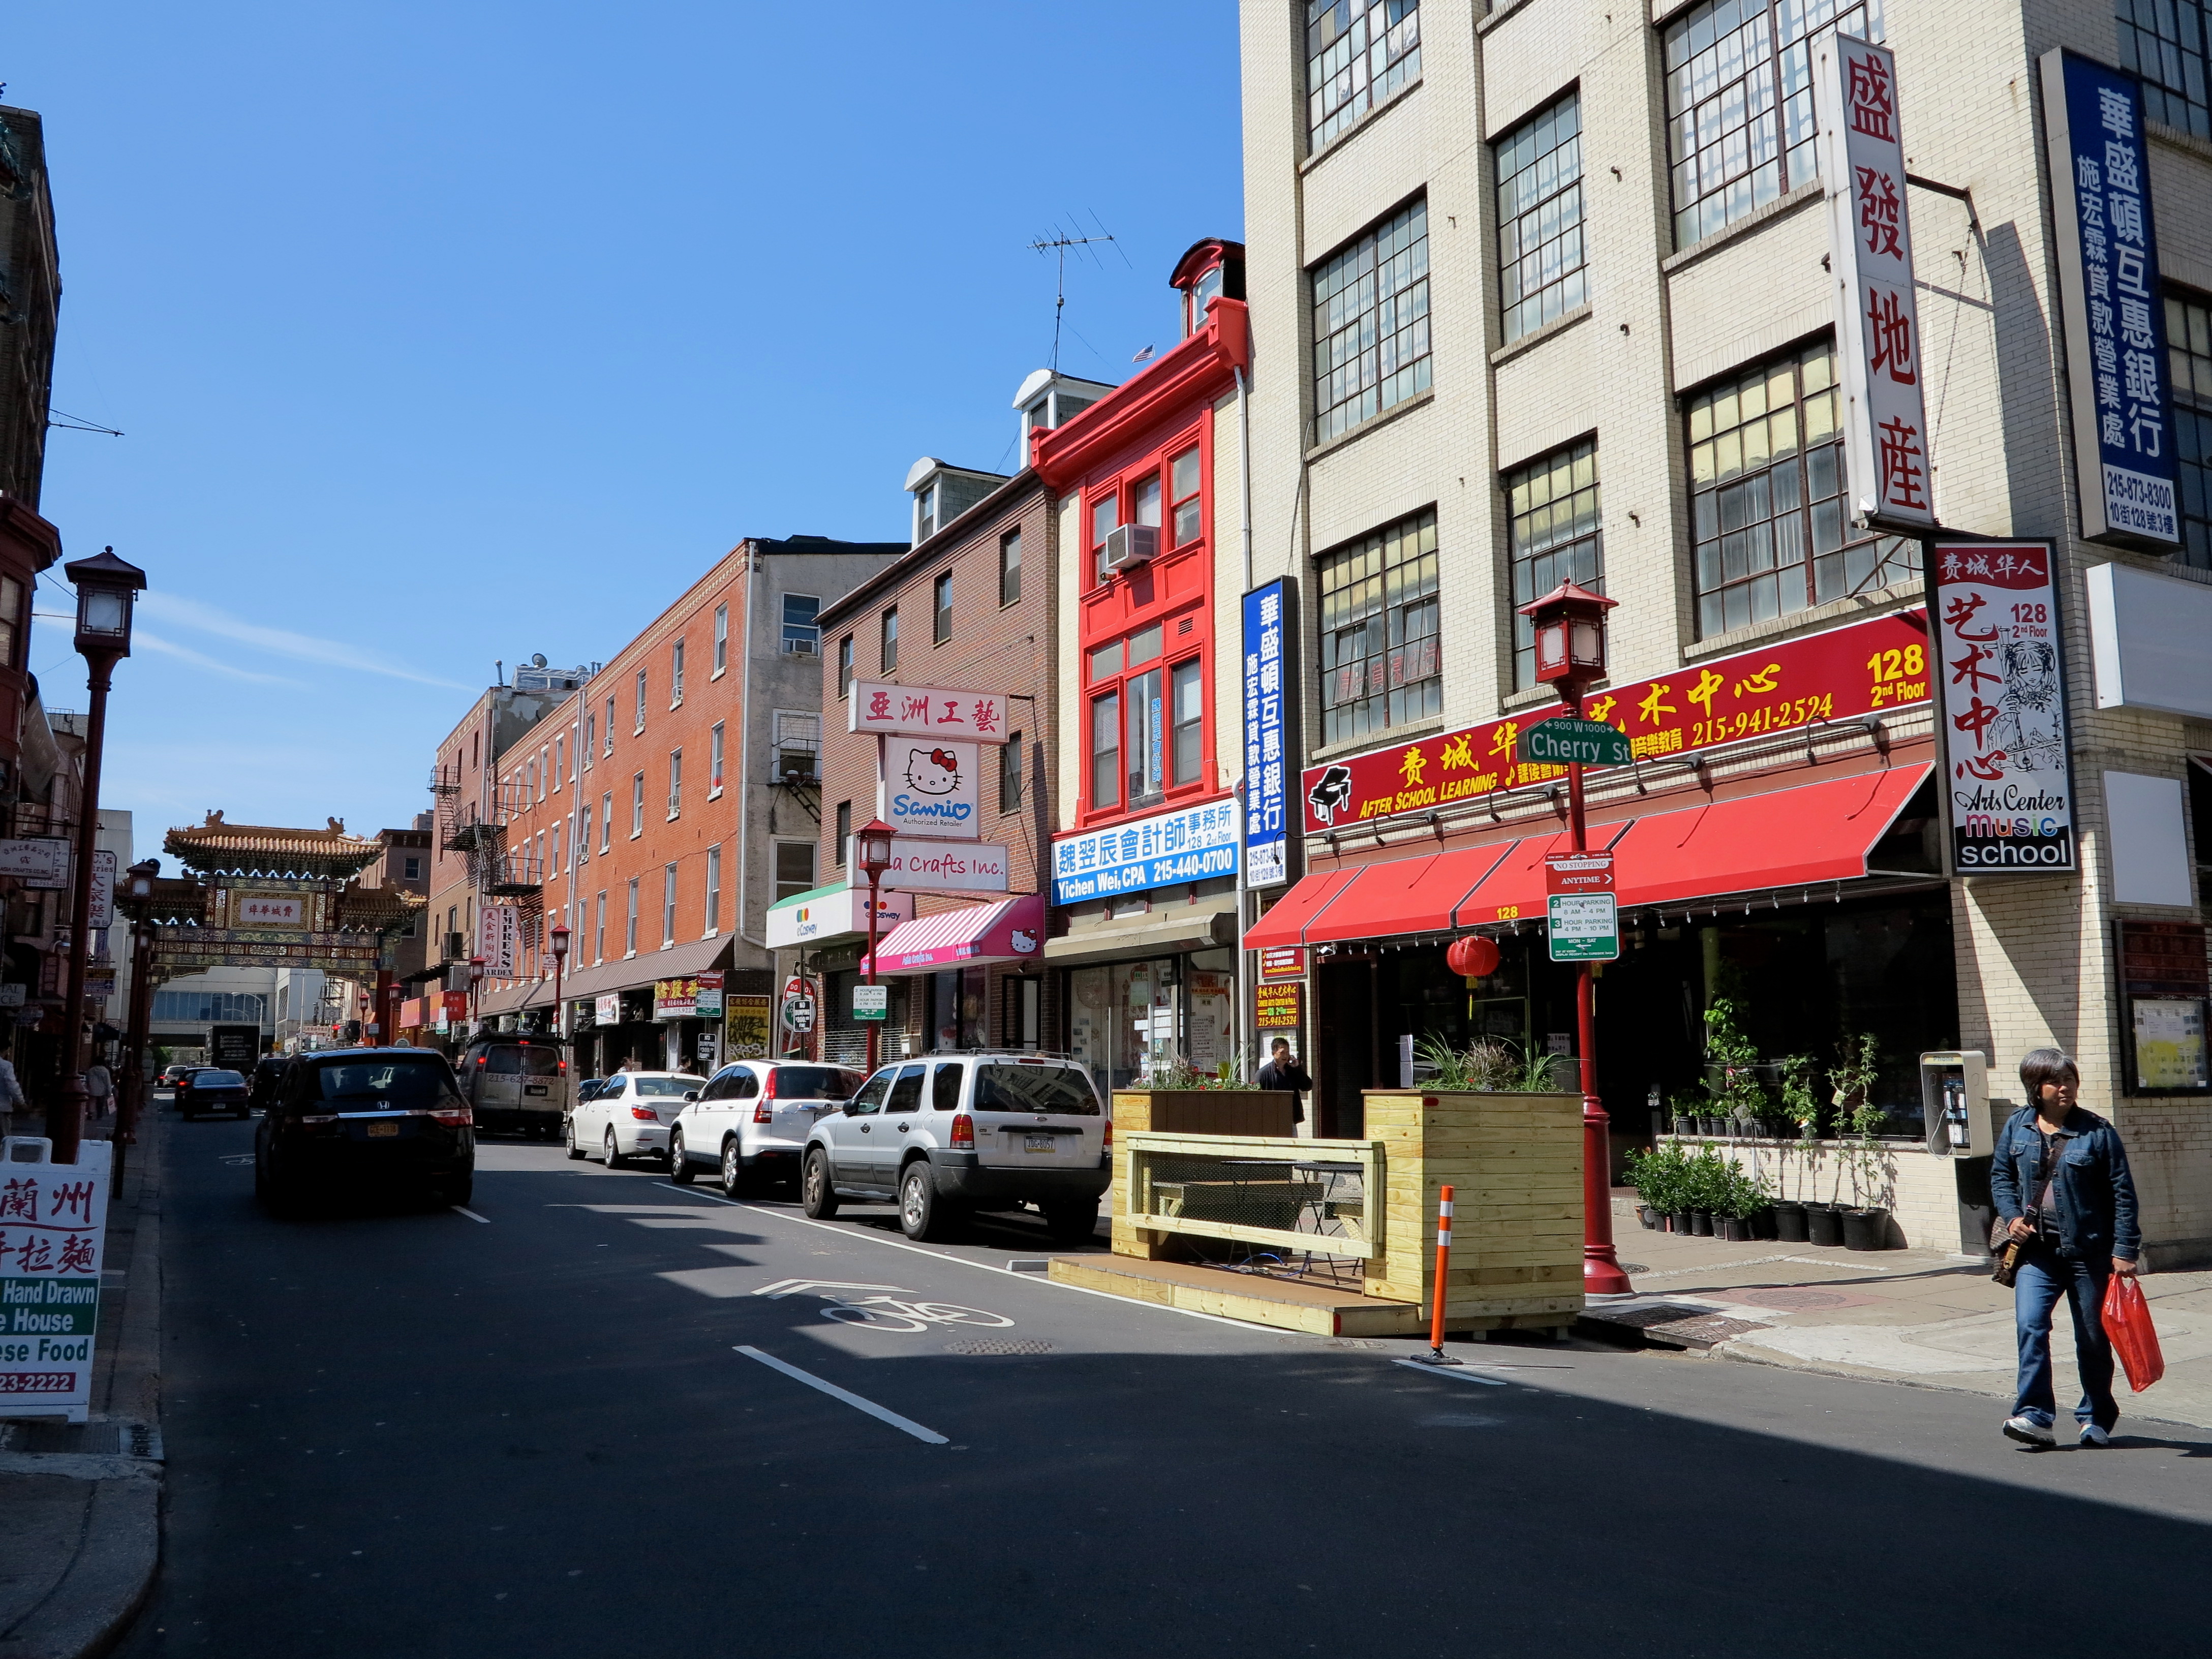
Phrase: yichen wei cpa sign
{"type": "Point", "coordinates": [2003, 678]}
{"type": "Point", "coordinates": [1870, 251]}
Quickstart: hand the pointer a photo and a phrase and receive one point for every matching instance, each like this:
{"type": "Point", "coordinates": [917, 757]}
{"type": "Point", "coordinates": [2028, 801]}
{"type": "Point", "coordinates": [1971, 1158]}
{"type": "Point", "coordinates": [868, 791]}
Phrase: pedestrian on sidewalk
{"type": "Point", "coordinates": [1283, 1071]}
{"type": "Point", "coordinates": [99, 1089]}
{"type": "Point", "coordinates": [11, 1094]}
{"type": "Point", "coordinates": [2061, 1182]}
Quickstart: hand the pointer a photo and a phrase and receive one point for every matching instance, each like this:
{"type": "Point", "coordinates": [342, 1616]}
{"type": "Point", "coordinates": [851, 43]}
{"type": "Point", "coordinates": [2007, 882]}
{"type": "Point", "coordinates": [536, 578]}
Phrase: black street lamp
{"type": "Point", "coordinates": [106, 589]}
{"type": "Point", "coordinates": [560, 961]}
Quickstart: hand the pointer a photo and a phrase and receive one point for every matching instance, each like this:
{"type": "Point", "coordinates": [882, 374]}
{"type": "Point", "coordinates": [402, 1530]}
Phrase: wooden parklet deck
{"type": "Point", "coordinates": [1288, 1305]}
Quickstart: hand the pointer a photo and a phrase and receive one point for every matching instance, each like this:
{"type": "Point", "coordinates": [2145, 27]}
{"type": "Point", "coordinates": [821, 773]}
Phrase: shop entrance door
{"type": "Point", "coordinates": [1344, 1042]}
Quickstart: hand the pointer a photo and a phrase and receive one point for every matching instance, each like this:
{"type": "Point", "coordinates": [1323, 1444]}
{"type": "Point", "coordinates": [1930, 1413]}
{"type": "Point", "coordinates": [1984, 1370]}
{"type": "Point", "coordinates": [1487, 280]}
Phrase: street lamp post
{"type": "Point", "coordinates": [560, 959]}
{"type": "Point", "coordinates": [1569, 628]}
{"type": "Point", "coordinates": [138, 898]}
{"type": "Point", "coordinates": [873, 842]}
{"type": "Point", "coordinates": [106, 587]}
{"type": "Point", "coordinates": [476, 978]}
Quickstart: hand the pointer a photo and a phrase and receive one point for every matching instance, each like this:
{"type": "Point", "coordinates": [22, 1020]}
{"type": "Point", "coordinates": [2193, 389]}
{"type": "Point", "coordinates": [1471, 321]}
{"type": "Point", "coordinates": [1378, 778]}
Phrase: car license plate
{"type": "Point", "coordinates": [378, 1129]}
{"type": "Point", "coordinates": [533, 1088]}
{"type": "Point", "coordinates": [1040, 1142]}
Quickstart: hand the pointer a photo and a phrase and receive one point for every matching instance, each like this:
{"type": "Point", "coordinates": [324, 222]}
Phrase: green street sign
{"type": "Point", "coordinates": [1565, 741]}
{"type": "Point", "coordinates": [871, 1001]}
{"type": "Point", "coordinates": [1584, 928]}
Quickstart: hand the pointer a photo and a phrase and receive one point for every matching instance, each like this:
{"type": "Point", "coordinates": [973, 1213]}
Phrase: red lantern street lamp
{"type": "Point", "coordinates": [872, 846]}
{"type": "Point", "coordinates": [560, 959]}
{"type": "Point", "coordinates": [1570, 628]}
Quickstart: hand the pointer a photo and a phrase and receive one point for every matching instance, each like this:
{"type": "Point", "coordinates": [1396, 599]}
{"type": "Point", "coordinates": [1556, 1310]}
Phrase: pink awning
{"type": "Point", "coordinates": [1012, 930]}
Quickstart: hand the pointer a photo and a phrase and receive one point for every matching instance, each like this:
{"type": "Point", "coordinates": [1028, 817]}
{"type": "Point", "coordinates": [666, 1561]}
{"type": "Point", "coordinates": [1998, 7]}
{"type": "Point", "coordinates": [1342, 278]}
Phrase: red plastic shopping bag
{"type": "Point", "coordinates": [2126, 1321]}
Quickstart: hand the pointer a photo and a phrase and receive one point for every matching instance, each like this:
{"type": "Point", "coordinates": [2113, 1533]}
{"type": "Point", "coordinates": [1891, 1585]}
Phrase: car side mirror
{"type": "Point", "coordinates": [690, 1094]}
{"type": "Point", "coordinates": [851, 1108]}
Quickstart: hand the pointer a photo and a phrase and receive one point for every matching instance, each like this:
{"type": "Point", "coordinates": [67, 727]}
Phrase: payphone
{"type": "Point", "coordinates": [1954, 1101]}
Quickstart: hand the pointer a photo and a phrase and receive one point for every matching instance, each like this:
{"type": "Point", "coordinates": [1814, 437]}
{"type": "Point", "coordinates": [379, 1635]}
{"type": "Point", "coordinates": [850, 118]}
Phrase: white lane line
{"type": "Point", "coordinates": [471, 1214]}
{"type": "Point", "coordinates": [873, 1237]}
{"type": "Point", "coordinates": [1460, 1372]}
{"type": "Point", "coordinates": [905, 1424]}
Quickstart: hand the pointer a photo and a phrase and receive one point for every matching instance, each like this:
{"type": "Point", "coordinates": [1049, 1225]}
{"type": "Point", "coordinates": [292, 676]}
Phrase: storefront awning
{"type": "Point", "coordinates": [1287, 919]}
{"type": "Point", "coordinates": [1817, 832]}
{"type": "Point", "coordinates": [1012, 930]}
{"type": "Point", "coordinates": [1205, 925]}
{"type": "Point", "coordinates": [1407, 895]}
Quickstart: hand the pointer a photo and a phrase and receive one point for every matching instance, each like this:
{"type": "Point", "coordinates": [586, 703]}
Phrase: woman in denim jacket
{"type": "Point", "coordinates": [2060, 1179]}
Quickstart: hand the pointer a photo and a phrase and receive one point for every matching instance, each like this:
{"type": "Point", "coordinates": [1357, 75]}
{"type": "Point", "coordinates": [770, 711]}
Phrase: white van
{"type": "Point", "coordinates": [518, 1081]}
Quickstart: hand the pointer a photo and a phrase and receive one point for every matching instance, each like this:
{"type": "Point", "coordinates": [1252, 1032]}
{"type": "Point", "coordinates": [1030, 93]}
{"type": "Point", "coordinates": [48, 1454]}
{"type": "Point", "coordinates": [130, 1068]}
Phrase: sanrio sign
{"type": "Point", "coordinates": [930, 788]}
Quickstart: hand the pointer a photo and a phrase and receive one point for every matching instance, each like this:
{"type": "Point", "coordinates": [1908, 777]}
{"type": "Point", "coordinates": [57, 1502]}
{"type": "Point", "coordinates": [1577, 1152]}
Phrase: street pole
{"type": "Point", "coordinates": [875, 1026]}
{"type": "Point", "coordinates": [1601, 1274]}
{"type": "Point", "coordinates": [65, 1116]}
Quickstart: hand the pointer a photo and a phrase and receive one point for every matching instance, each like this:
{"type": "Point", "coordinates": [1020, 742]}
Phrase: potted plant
{"type": "Point", "coordinates": [1685, 1109]}
{"type": "Point", "coordinates": [1863, 1223]}
{"type": "Point", "coordinates": [1799, 1102]}
{"type": "Point", "coordinates": [1731, 1070]}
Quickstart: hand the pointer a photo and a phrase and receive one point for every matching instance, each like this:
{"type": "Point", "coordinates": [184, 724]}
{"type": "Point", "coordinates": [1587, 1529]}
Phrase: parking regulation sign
{"type": "Point", "coordinates": [871, 1001]}
{"type": "Point", "coordinates": [1584, 921]}
{"type": "Point", "coordinates": [797, 1007]}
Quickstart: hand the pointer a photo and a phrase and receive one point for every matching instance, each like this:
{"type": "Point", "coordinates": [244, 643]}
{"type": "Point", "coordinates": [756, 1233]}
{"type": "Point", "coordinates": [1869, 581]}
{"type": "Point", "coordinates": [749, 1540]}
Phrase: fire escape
{"type": "Point", "coordinates": [517, 876]}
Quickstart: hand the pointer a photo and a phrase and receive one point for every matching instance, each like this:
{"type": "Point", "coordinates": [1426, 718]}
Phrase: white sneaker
{"type": "Point", "coordinates": [2094, 1436]}
{"type": "Point", "coordinates": [2028, 1431]}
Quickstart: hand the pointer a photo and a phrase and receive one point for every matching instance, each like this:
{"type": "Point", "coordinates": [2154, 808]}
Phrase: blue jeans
{"type": "Point", "coordinates": [2044, 1276]}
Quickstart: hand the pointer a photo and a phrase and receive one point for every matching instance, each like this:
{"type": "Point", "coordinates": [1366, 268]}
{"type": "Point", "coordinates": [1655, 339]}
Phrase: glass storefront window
{"type": "Point", "coordinates": [1124, 1020]}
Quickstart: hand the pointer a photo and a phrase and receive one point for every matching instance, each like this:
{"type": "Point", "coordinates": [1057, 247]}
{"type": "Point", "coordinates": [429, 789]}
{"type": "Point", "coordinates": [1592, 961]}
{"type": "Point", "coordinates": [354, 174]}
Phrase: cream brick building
{"type": "Point", "coordinates": [1654, 163]}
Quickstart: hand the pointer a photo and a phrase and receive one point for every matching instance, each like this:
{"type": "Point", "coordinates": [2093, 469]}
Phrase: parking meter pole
{"type": "Point", "coordinates": [1601, 1274]}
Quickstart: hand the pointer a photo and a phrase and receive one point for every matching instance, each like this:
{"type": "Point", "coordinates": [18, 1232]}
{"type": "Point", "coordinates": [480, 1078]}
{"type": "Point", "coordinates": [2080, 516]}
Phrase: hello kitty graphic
{"type": "Point", "coordinates": [932, 771]}
{"type": "Point", "coordinates": [933, 802]}
{"type": "Point", "coordinates": [1025, 942]}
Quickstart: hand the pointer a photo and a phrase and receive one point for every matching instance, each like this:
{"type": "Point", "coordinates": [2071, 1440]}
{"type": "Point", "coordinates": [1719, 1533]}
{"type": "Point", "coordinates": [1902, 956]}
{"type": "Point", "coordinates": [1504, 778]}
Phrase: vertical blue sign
{"type": "Point", "coordinates": [1266, 818]}
{"type": "Point", "coordinates": [2116, 359]}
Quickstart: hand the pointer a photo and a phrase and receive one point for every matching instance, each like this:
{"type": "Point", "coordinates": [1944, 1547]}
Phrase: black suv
{"type": "Point", "coordinates": [379, 1117]}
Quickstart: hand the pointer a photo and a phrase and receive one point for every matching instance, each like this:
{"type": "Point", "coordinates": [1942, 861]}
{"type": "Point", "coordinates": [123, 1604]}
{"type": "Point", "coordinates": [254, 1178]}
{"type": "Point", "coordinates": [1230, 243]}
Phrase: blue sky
{"type": "Point", "coordinates": [444, 333]}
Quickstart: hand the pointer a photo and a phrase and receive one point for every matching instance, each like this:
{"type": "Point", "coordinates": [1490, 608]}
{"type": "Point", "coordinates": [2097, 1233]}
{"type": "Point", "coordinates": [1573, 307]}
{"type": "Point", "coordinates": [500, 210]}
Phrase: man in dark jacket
{"type": "Point", "coordinates": [2061, 1182]}
{"type": "Point", "coordinates": [1283, 1071]}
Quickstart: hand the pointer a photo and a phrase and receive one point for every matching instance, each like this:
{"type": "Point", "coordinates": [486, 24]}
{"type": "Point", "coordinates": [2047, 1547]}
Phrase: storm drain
{"type": "Point", "coordinates": [987, 1345]}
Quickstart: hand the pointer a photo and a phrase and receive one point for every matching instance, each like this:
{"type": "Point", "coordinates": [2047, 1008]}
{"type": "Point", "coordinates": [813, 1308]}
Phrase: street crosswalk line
{"type": "Point", "coordinates": [905, 1424]}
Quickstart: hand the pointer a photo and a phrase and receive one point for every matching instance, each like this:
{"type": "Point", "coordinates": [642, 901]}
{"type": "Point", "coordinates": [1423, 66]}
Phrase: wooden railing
{"type": "Point", "coordinates": [1271, 1191]}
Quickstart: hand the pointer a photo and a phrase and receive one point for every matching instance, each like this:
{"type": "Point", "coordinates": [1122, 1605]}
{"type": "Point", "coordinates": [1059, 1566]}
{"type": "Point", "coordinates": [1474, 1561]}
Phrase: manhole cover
{"type": "Point", "coordinates": [1792, 1301]}
{"type": "Point", "coordinates": [986, 1345]}
{"type": "Point", "coordinates": [1634, 1268]}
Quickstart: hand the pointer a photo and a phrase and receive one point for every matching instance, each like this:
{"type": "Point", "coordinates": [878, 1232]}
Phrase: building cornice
{"type": "Point", "coordinates": [1198, 370]}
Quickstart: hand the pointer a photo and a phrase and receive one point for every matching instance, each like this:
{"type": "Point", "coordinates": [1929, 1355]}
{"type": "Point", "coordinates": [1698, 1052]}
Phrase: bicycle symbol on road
{"type": "Point", "coordinates": [881, 1307]}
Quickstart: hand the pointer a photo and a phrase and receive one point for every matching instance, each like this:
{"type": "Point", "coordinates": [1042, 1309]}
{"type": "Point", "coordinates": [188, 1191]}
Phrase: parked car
{"type": "Point", "coordinates": [211, 1091]}
{"type": "Point", "coordinates": [630, 1115]}
{"type": "Point", "coordinates": [751, 1120]}
{"type": "Point", "coordinates": [385, 1118]}
{"type": "Point", "coordinates": [586, 1087]}
{"type": "Point", "coordinates": [173, 1076]}
{"type": "Point", "coordinates": [517, 1080]}
{"type": "Point", "coordinates": [268, 1077]}
{"type": "Point", "coordinates": [947, 1135]}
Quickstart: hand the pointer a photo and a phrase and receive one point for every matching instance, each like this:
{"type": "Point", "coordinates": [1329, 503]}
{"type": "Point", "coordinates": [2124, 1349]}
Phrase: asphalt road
{"type": "Point", "coordinates": [556, 1431]}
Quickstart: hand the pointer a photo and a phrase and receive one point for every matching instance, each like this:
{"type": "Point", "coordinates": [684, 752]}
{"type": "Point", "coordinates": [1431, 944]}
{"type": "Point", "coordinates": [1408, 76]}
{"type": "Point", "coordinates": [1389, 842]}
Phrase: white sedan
{"type": "Point", "coordinates": [630, 1115]}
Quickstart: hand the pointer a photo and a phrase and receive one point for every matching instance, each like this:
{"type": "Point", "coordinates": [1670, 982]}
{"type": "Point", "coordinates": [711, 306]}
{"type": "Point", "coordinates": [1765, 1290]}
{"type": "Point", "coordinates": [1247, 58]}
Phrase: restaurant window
{"type": "Point", "coordinates": [721, 640]}
{"type": "Point", "coordinates": [1769, 521]}
{"type": "Point", "coordinates": [890, 640]}
{"type": "Point", "coordinates": [713, 891]}
{"type": "Point", "coordinates": [1010, 772]}
{"type": "Point", "coordinates": [1187, 705]}
{"type": "Point", "coordinates": [1552, 506]}
{"type": "Point", "coordinates": [1541, 274]}
{"type": "Point", "coordinates": [794, 868]}
{"type": "Point", "coordinates": [1184, 499]}
{"type": "Point", "coordinates": [845, 665]}
{"type": "Point", "coordinates": [1357, 53]}
{"type": "Point", "coordinates": [2189, 345]}
{"type": "Point", "coordinates": [1010, 567]}
{"type": "Point", "coordinates": [1105, 751]}
{"type": "Point", "coordinates": [1370, 322]}
{"type": "Point", "coordinates": [667, 905]}
{"type": "Point", "coordinates": [941, 609]}
{"type": "Point", "coordinates": [844, 831]}
{"type": "Point", "coordinates": [1739, 103]}
{"type": "Point", "coordinates": [715, 760]}
{"type": "Point", "coordinates": [2166, 42]}
{"type": "Point", "coordinates": [1379, 663]}
{"type": "Point", "coordinates": [802, 637]}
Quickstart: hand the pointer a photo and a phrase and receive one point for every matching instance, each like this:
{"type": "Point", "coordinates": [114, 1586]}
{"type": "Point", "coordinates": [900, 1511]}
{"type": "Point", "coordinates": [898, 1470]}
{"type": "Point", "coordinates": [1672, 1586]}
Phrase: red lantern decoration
{"type": "Point", "coordinates": [1472, 958]}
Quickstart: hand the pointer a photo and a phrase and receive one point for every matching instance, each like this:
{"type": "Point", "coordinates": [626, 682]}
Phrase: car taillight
{"type": "Point", "coordinates": [768, 1089]}
{"type": "Point", "coordinates": [763, 1113]}
{"type": "Point", "coordinates": [963, 1131]}
{"type": "Point", "coordinates": [457, 1116]}
{"type": "Point", "coordinates": [644, 1114]}
{"type": "Point", "coordinates": [563, 1072]}
{"type": "Point", "coordinates": [480, 1059]}
{"type": "Point", "coordinates": [1106, 1135]}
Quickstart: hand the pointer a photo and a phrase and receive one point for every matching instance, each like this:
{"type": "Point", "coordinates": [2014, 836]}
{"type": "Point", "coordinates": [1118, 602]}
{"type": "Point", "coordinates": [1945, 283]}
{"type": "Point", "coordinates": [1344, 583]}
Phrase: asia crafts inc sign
{"type": "Point", "coordinates": [932, 788]}
{"type": "Point", "coordinates": [2109, 291]}
{"type": "Point", "coordinates": [942, 866]}
{"type": "Point", "coordinates": [925, 711]}
{"type": "Point", "coordinates": [1869, 667]}
{"type": "Point", "coordinates": [1266, 749]}
{"type": "Point", "coordinates": [2010, 779]}
{"type": "Point", "coordinates": [1197, 843]}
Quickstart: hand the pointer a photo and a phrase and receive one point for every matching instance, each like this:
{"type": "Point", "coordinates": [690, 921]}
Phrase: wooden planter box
{"type": "Point", "coordinates": [1236, 1112]}
{"type": "Point", "coordinates": [1515, 1162]}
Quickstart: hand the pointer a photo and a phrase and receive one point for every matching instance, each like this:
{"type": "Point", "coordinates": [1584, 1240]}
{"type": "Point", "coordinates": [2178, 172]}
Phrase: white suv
{"type": "Point", "coordinates": [752, 1119]}
{"type": "Point", "coordinates": [944, 1135]}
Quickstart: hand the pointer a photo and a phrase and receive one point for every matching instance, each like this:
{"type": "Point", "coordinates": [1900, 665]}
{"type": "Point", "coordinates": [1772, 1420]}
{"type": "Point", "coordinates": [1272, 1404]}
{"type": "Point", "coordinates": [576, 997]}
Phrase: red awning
{"type": "Point", "coordinates": [1817, 832]}
{"type": "Point", "coordinates": [1286, 923]}
{"type": "Point", "coordinates": [1406, 896]}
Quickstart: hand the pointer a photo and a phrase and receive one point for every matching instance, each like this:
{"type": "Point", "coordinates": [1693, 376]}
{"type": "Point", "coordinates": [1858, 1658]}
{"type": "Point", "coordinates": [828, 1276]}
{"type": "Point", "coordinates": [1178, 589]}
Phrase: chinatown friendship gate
{"type": "Point", "coordinates": [255, 896]}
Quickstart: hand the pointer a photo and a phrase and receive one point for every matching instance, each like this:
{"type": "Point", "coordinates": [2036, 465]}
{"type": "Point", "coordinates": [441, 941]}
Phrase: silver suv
{"type": "Point", "coordinates": [945, 1135]}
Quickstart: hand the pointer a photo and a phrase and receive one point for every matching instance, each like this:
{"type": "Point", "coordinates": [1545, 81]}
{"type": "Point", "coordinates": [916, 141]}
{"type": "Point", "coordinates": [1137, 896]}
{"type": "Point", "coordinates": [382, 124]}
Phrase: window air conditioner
{"type": "Point", "coordinates": [802, 647]}
{"type": "Point", "coordinates": [1133, 544]}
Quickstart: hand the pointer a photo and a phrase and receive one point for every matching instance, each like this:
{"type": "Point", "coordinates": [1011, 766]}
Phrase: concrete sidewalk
{"type": "Point", "coordinates": [1910, 1317]}
{"type": "Point", "coordinates": [80, 1503]}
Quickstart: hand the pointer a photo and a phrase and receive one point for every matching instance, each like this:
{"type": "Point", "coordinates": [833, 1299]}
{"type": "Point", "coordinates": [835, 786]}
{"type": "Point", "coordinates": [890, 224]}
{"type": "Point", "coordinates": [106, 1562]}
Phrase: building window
{"type": "Point", "coordinates": [606, 820]}
{"type": "Point", "coordinates": [584, 835]}
{"type": "Point", "coordinates": [940, 627]}
{"type": "Point", "coordinates": [1357, 53]}
{"type": "Point", "coordinates": [925, 514]}
{"type": "Point", "coordinates": [1010, 567]}
{"type": "Point", "coordinates": [1539, 218]}
{"type": "Point", "coordinates": [798, 747]}
{"type": "Point", "coordinates": [1105, 519]}
{"type": "Point", "coordinates": [609, 748]}
{"type": "Point", "coordinates": [560, 759]}
{"type": "Point", "coordinates": [1380, 666]}
{"type": "Point", "coordinates": [721, 640]}
{"type": "Point", "coordinates": [1188, 709]}
{"type": "Point", "coordinates": [637, 806]}
{"type": "Point", "coordinates": [674, 782]}
{"type": "Point", "coordinates": [2166, 42]}
{"type": "Point", "coordinates": [890, 656]}
{"type": "Point", "coordinates": [2189, 344]}
{"type": "Point", "coordinates": [845, 665]}
{"type": "Point", "coordinates": [713, 891]}
{"type": "Point", "coordinates": [715, 760]}
{"type": "Point", "coordinates": [1010, 772]}
{"type": "Point", "coordinates": [641, 700]}
{"type": "Point", "coordinates": [1143, 747]}
{"type": "Point", "coordinates": [1184, 499]}
{"type": "Point", "coordinates": [1739, 103]}
{"type": "Point", "coordinates": [411, 870]}
{"type": "Point", "coordinates": [801, 637]}
{"type": "Point", "coordinates": [675, 675]}
{"type": "Point", "coordinates": [794, 868]}
{"type": "Point", "coordinates": [667, 905]}
{"type": "Point", "coordinates": [11, 618]}
{"type": "Point", "coordinates": [1371, 306]}
{"type": "Point", "coordinates": [599, 932]}
{"type": "Point", "coordinates": [844, 831]}
{"type": "Point", "coordinates": [208, 1007]}
{"type": "Point", "coordinates": [1106, 751]}
{"type": "Point", "coordinates": [591, 739]}
{"type": "Point", "coordinates": [629, 930]}
{"type": "Point", "coordinates": [1552, 506]}
{"type": "Point", "coordinates": [1769, 525]}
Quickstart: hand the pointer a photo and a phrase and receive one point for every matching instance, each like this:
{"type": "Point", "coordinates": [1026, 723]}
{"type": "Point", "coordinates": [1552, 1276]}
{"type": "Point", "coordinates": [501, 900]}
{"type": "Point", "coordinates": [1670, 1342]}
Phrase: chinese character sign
{"type": "Point", "coordinates": [1266, 793]}
{"type": "Point", "coordinates": [1195, 844]}
{"type": "Point", "coordinates": [1878, 321]}
{"type": "Point", "coordinates": [53, 1227]}
{"type": "Point", "coordinates": [925, 711]}
{"type": "Point", "coordinates": [2108, 286]}
{"type": "Point", "coordinates": [2003, 706]}
{"type": "Point", "coordinates": [499, 939]}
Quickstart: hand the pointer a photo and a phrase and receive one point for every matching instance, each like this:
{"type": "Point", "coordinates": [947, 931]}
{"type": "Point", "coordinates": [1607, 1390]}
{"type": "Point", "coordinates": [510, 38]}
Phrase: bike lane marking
{"type": "Point", "coordinates": [905, 1424]}
{"type": "Point", "coordinates": [458, 1210]}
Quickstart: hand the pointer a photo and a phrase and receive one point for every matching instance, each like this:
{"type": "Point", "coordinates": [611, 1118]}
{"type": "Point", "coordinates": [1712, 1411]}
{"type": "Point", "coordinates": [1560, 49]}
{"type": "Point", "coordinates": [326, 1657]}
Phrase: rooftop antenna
{"type": "Point", "coordinates": [1057, 244]}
